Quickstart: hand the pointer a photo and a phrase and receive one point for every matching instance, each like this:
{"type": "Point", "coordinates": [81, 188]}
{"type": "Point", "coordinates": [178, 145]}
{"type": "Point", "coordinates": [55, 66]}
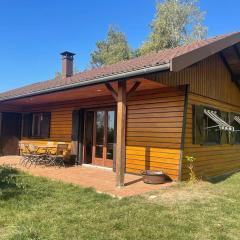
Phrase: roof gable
{"type": "Point", "coordinates": [200, 50]}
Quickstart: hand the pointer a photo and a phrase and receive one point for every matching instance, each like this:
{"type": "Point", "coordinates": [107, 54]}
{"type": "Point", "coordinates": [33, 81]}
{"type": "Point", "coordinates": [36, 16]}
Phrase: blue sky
{"type": "Point", "coordinates": [33, 33]}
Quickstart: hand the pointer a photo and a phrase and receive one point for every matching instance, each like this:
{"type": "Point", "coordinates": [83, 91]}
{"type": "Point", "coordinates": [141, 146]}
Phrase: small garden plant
{"type": "Point", "coordinates": [192, 175]}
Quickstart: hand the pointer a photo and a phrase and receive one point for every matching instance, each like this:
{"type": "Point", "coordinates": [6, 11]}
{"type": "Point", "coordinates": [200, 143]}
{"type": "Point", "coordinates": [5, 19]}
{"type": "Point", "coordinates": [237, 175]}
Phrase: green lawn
{"type": "Point", "coordinates": [37, 208]}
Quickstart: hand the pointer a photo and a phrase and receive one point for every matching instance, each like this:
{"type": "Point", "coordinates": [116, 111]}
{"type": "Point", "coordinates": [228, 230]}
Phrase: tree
{"type": "Point", "coordinates": [112, 50]}
{"type": "Point", "coordinates": [177, 22]}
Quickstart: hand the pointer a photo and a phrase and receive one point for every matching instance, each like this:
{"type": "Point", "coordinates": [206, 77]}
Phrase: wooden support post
{"type": "Point", "coordinates": [121, 129]}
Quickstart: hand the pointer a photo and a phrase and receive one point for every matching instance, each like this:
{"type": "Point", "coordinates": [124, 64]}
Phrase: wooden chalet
{"type": "Point", "coordinates": [145, 113]}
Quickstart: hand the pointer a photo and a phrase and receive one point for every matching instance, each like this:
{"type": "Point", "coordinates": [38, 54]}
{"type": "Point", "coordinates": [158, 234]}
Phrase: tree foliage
{"type": "Point", "coordinates": [112, 50]}
{"type": "Point", "coordinates": [177, 22]}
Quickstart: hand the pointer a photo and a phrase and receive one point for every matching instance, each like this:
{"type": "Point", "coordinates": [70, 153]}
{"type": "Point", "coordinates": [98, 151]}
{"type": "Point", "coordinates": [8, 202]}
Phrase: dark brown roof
{"type": "Point", "coordinates": [173, 57]}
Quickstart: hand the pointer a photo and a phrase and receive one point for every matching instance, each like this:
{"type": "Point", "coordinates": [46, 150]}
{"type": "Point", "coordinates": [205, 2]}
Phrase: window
{"type": "Point", "coordinates": [36, 125]}
{"type": "Point", "coordinates": [210, 126]}
{"type": "Point", "coordinates": [235, 122]}
{"type": "Point", "coordinates": [211, 131]}
{"type": "Point", "coordinates": [237, 129]}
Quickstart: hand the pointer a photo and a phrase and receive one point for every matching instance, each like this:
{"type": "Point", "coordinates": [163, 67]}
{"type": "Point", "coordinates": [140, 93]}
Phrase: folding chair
{"type": "Point", "coordinates": [31, 154]}
{"type": "Point", "coordinates": [22, 153]}
{"type": "Point", "coordinates": [58, 157]}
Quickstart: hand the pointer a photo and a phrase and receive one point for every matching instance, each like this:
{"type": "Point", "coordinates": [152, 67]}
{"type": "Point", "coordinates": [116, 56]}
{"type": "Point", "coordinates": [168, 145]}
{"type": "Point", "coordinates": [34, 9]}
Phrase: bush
{"type": "Point", "coordinates": [9, 180]}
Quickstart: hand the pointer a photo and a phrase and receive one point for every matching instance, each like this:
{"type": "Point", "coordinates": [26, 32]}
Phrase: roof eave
{"type": "Point", "coordinates": [109, 78]}
{"type": "Point", "coordinates": [185, 60]}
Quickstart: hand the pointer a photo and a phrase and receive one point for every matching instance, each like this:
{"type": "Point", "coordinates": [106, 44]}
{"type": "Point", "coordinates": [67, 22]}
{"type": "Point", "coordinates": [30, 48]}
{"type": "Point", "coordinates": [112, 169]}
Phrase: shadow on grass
{"type": "Point", "coordinates": [10, 183]}
{"type": "Point", "coordinates": [221, 178]}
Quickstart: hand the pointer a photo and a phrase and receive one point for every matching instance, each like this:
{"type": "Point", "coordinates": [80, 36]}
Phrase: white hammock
{"type": "Point", "coordinates": [237, 119]}
{"type": "Point", "coordinates": [220, 123]}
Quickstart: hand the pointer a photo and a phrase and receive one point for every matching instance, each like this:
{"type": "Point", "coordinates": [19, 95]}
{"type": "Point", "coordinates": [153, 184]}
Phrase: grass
{"type": "Point", "coordinates": [38, 208]}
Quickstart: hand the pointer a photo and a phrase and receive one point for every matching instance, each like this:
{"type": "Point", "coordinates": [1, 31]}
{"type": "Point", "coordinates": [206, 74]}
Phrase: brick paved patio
{"type": "Point", "coordinates": [101, 180]}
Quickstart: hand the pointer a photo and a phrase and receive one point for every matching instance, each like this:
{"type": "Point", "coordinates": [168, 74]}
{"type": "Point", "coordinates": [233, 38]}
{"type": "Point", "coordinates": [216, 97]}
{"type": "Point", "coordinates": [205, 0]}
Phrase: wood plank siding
{"type": "Point", "coordinates": [61, 125]}
{"type": "Point", "coordinates": [209, 78]}
{"type": "Point", "coordinates": [210, 84]}
{"type": "Point", "coordinates": [210, 160]}
{"type": "Point", "coordinates": [154, 127]}
{"type": "Point", "coordinates": [222, 93]}
{"type": "Point", "coordinates": [61, 118]}
{"type": "Point", "coordinates": [154, 130]}
{"type": "Point", "coordinates": [156, 120]}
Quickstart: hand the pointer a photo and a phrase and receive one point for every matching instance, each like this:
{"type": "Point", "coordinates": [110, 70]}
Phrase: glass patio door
{"type": "Point", "coordinates": [104, 137]}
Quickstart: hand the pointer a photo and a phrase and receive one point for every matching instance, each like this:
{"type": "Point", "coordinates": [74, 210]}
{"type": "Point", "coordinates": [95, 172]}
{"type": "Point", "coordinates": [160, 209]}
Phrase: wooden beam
{"type": "Point", "coordinates": [133, 89]}
{"type": "Point", "coordinates": [237, 51]}
{"type": "Point", "coordinates": [121, 132]}
{"type": "Point", "coordinates": [226, 63]}
{"type": "Point", "coordinates": [235, 78]}
{"type": "Point", "coordinates": [112, 91]}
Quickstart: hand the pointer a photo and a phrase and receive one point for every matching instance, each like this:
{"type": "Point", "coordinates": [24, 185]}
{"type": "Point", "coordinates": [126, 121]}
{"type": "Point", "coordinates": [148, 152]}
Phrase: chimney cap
{"type": "Point", "coordinates": [67, 54]}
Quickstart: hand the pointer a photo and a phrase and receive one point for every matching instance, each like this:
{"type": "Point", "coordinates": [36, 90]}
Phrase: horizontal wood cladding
{"type": "Point", "coordinates": [154, 131]}
{"type": "Point", "coordinates": [61, 115]}
{"type": "Point", "coordinates": [209, 78]}
{"type": "Point", "coordinates": [61, 125]}
{"type": "Point", "coordinates": [210, 160]}
{"type": "Point", "coordinates": [154, 127]}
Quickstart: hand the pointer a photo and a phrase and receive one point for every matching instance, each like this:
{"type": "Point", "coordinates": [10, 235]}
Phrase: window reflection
{"type": "Point", "coordinates": [110, 134]}
{"type": "Point", "coordinates": [99, 133]}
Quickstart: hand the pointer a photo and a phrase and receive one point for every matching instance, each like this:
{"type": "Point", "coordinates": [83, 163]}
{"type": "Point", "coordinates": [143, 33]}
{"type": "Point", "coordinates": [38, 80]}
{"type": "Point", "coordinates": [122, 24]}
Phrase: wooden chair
{"type": "Point", "coordinates": [58, 157]}
{"type": "Point", "coordinates": [33, 156]}
{"type": "Point", "coordinates": [22, 153]}
{"type": "Point", "coordinates": [27, 151]}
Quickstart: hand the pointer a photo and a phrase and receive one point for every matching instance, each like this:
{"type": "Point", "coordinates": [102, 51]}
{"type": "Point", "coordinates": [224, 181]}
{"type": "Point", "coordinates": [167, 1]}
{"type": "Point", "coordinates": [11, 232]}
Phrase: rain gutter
{"type": "Point", "coordinates": [93, 81]}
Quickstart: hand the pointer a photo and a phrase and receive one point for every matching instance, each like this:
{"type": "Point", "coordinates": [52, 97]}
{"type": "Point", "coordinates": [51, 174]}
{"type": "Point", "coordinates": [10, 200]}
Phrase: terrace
{"type": "Point", "coordinates": [101, 179]}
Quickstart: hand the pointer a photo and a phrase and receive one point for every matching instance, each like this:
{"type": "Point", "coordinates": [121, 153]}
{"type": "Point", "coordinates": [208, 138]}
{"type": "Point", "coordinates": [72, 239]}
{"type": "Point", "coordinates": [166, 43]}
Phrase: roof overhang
{"type": "Point", "coordinates": [96, 92]}
{"type": "Point", "coordinates": [90, 82]}
{"type": "Point", "coordinates": [228, 47]}
{"type": "Point", "coordinates": [185, 60]}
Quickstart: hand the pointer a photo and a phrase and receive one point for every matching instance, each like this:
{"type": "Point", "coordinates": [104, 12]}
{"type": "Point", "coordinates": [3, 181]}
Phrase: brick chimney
{"type": "Point", "coordinates": [67, 64]}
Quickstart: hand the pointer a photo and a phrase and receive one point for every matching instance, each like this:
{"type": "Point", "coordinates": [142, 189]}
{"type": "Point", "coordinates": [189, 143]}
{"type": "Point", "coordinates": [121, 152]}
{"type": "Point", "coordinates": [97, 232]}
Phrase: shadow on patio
{"type": "Point", "coordinates": [100, 179]}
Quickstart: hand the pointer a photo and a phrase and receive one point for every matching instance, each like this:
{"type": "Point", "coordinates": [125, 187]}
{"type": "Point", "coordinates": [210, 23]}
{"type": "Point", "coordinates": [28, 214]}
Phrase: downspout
{"type": "Point", "coordinates": [183, 132]}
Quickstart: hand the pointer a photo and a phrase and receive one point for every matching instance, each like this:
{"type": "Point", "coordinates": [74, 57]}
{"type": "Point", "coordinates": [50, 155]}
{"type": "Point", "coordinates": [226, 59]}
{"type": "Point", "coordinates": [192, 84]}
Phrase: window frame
{"type": "Point", "coordinates": [235, 137]}
{"type": "Point", "coordinates": [32, 128]}
{"type": "Point", "coordinates": [200, 121]}
{"type": "Point", "coordinates": [38, 135]}
{"type": "Point", "coordinates": [206, 118]}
